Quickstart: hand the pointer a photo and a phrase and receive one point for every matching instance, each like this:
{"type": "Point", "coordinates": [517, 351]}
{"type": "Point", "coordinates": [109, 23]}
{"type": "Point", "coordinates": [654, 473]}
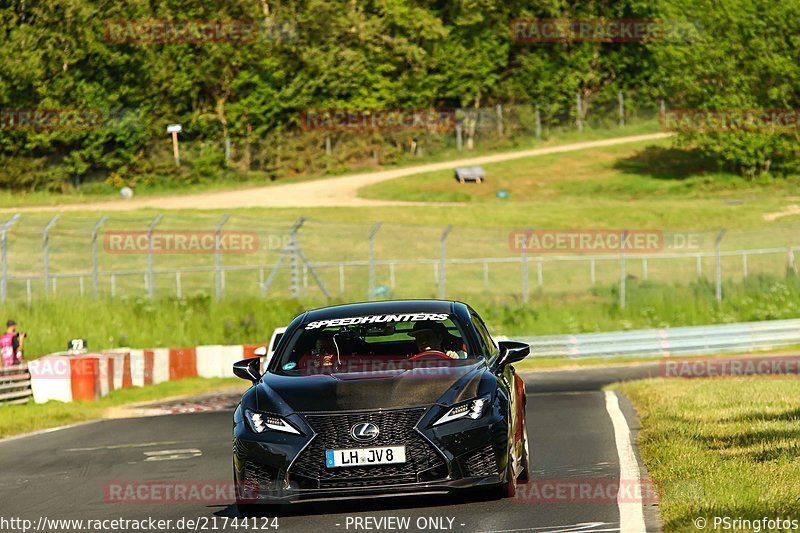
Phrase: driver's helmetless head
{"type": "Point", "coordinates": [427, 337]}
{"type": "Point", "coordinates": [324, 345]}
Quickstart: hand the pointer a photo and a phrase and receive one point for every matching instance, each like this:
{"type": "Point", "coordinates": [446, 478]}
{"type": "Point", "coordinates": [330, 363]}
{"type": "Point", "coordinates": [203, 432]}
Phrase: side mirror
{"type": "Point", "coordinates": [248, 369]}
{"type": "Point", "coordinates": [512, 352]}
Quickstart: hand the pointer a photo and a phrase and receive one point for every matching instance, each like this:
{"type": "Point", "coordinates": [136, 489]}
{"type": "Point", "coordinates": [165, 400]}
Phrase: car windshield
{"type": "Point", "coordinates": [375, 343]}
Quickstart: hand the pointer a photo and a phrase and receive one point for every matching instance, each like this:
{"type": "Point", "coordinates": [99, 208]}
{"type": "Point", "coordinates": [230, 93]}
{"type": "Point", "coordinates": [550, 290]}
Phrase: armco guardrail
{"type": "Point", "coordinates": [692, 340]}
{"type": "Point", "coordinates": [15, 384]}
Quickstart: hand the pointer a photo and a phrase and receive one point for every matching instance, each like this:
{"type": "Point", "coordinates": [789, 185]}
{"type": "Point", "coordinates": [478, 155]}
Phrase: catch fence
{"type": "Point", "coordinates": [178, 255]}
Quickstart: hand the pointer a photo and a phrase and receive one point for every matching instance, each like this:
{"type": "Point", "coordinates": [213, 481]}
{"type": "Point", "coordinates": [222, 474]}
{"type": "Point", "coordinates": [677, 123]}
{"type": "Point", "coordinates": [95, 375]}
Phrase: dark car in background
{"type": "Point", "coordinates": [390, 397]}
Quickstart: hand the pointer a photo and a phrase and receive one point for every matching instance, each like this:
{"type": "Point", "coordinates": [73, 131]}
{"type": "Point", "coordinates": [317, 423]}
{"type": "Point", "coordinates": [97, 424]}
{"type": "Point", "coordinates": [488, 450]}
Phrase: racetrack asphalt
{"type": "Point", "coordinates": [71, 473]}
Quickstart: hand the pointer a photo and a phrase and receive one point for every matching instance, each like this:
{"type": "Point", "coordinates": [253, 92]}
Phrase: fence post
{"type": "Point", "coordinates": [499, 110]}
{"type": "Point", "coordinates": [217, 255]}
{"type": "Point", "coordinates": [592, 273]}
{"type": "Point", "coordinates": [341, 278]}
{"type": "Point", "coordinates": [486, 275]}
{"type": "Point", "coordinates": [579, 109]}
{"type": "Point", "coordinates": [442, 257]}
{"type": "Point", "coordinates": [524, 268]}
{"type": "Point", "coordinates": [150, 274]}
{"type": "Point", "coordinates": [95, 263]}
{"type": "Point", "coordinates": [622, 273]}
{"type": "Point", "coordinates": [644, 268]}
{"type": "Point", "coordinates": [621, 97]}
{"type": "Point", "coordinates": [372, 233]}
{"type": "Point", "coordinates": [46, 252]}
{"type": "Point", "coordinates": [538, 118]}
{"type": "Point", "coordinates": [4, 241]}
{"type": "Point", "coordinates": [744, 266]}
{"type": "Point", "coordinates": [294, 248]}
{"type": "Point", "coordinates": [792, 264]}
{"type": "Point", "coordinates": [539, 274]}
{"type": "Point", "coordinates": [718, 265]}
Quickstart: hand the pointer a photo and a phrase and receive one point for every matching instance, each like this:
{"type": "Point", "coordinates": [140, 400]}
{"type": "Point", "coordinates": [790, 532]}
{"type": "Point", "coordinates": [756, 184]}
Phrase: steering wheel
{"type": "Point", "coordinates": [430, 353]}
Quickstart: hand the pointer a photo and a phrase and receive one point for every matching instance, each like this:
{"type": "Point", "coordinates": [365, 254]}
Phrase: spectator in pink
{"type": "Point", "coordinates": [11, 345]}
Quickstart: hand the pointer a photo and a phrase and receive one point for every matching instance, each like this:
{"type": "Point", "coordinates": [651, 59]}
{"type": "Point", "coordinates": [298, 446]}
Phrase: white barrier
{"type": "Point", "coordinates": [51, 378]}
{"type": "Point", "coordinates": [160, 365]}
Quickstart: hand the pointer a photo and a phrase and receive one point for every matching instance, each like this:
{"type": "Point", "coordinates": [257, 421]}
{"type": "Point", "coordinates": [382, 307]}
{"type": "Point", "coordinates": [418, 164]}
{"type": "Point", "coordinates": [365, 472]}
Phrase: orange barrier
{"type": "Point", "coordinates": [148, 367]}
{"type": "Point", "coordinates": [249, 350]}
{"type": "Point", "coordinates": [182, 363]}
{"type": "Point", "coordinates": [127, 378]}
{"type": "Point", "coordinates": [85, 377]}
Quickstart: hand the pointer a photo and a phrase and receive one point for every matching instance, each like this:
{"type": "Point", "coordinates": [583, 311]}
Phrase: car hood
{"type": "Point", "coordinates": [361, 391]}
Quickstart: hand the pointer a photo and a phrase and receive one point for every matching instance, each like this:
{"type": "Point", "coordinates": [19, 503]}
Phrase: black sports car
{"type": "Point", "coordinates": [392, 397]}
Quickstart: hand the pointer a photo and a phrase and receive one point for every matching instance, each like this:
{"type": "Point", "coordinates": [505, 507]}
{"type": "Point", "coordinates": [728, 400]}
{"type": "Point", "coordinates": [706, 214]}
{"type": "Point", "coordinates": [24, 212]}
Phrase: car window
{"type": "Point", "coordinates": [376, 343]}
{"type": "Point", "coordinates": [487, 343]}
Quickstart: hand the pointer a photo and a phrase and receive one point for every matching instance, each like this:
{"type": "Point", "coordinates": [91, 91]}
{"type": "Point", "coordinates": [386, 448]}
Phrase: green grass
{"type": "Point", "coordinates": [16, 419]}
{"type": "Point", "coordinates": [143, 323]}
{"type": "Point", "coordinates": [720, 447]}
{"type": "Point", "coordinates": [232, 179]}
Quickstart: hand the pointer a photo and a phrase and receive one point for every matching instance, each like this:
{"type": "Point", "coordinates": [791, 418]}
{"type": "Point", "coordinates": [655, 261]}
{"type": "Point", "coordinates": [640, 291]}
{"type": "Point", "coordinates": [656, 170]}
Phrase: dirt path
{"type": "Point", "coordinates": [330, 192]}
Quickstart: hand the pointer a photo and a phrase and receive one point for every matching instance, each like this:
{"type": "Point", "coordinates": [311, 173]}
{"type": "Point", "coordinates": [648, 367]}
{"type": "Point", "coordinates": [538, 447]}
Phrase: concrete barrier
{"type": "Point", "coordinates": [71, 377]}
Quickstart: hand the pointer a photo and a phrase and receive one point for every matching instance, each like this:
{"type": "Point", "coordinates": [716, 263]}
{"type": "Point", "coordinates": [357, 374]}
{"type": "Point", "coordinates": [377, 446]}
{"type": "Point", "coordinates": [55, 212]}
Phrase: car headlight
{"type": "Point", "coordinates": [473, 409]}
{"type": "Point", "coordinates": [261, 422]}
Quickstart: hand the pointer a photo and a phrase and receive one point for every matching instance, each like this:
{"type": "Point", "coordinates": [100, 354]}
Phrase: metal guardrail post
{"type": "Point", "coordinates": [151, 277]}
{"type": "Point", "coordinates": [95, 262]}
{"type": "Point", "coordinates": [442, 258]}
{"type": "Point", "coordinates": [46, 252]}
{"type": "Point", "coordinates": [372, 233]}
{"type": "Point", "coordinates": [718, 265]}
{"type": "Point", "coordinates": [217, 256]}
{"type": "Point", "coordinates": [4, 246]}
{"type": "Point", "coordinates": [622, 272]}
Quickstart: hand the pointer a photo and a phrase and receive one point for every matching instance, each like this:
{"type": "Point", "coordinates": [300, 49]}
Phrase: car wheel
{"type": "Point", "coordinates": [525, 475]}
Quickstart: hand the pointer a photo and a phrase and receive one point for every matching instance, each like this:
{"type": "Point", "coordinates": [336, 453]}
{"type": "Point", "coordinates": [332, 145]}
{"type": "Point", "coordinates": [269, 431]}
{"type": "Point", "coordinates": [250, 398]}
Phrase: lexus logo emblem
{"type": "Point", "coordinates": [364, 431]}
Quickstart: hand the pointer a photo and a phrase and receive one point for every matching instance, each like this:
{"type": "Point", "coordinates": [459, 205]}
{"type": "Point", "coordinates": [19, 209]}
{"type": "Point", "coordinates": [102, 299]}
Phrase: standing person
{"type": "Point", "coordinates": [11, 345]}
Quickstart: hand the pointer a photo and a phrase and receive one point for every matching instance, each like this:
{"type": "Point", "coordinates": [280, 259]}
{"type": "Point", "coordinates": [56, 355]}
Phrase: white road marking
{"type": "Point", "coordinates": [172, 455]}
{"type": "Point", "coordinates": [583, 527]}
{"type": "Point", "coordinates": [631, 514]}
{"type": "Point", "coordinates": [120, 446]}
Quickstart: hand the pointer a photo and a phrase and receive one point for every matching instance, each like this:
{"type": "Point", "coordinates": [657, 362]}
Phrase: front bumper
{"type": "Point", "coordinates": [282, 468]}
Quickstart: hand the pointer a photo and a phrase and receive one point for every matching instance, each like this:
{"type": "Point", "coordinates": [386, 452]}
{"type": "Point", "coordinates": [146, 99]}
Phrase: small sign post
{"type": "Point", "coordinates": [174, 129]}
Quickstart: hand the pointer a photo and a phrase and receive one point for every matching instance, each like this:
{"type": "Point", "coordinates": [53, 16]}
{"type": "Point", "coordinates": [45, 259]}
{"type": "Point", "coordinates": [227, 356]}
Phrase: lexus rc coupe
{"type": "Point", "coordinates": [381, 398]}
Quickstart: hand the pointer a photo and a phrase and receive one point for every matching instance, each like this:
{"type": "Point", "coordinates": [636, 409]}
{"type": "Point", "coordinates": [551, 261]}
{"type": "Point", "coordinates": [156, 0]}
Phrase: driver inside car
{"type": "Point", "coordinates": [433, 336]}
{"type": "Point", "coordinates": [325, 351]}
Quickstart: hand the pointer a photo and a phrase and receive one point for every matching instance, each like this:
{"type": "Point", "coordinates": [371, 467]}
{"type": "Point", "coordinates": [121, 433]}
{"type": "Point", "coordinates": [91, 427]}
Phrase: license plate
{"type": "Point", "coordinates": [386, 455]}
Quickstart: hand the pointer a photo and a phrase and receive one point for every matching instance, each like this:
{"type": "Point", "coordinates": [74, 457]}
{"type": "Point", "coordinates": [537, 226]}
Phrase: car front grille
{"type": "Point", "coordinates": [396, 428]}
{"type": "Point", "coordinates": [482, 462]}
